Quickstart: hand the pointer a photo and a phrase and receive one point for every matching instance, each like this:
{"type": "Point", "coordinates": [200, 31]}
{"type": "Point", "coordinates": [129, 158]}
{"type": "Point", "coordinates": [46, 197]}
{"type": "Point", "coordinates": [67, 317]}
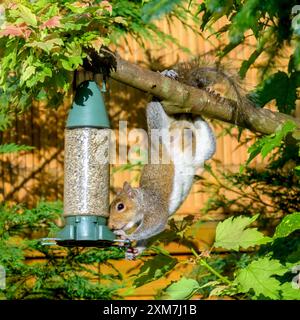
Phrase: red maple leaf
{"type": "Point", "coordinates": [106, 5]}
{"type": "Point", "coordinates": [18, 30]}
{"type": "Point", "coordinates": [11, 30]}
{"type": "Point", "coordinates": [51, 23]}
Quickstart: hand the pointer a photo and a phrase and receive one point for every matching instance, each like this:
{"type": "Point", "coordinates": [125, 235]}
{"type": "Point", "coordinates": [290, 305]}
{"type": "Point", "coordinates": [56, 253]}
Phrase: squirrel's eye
{"type": "Point", "coordinates": [120, 206]}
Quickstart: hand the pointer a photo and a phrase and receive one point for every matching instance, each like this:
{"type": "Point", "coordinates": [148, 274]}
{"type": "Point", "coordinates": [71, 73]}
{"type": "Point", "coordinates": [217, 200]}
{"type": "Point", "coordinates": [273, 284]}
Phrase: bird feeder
{"type": "Point", "coordinates": [86, 171]}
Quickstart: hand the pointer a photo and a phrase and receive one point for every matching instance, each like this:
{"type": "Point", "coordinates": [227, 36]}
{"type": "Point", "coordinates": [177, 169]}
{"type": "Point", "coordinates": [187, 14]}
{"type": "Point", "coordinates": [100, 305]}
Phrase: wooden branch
{"type": "Point", "coordinates": [180, 98]}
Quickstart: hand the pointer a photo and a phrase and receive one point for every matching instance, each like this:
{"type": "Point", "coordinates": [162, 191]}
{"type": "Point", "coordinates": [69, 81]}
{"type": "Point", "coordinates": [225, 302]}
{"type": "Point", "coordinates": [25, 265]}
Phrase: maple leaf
{"type": "Point", "coordinates": [16, 30]}
{"type": "Point", "coordinates": [97, 43]}
{"type": "Point", "coordinates": [78, 4]}
{"type": "Point", "coordinates": [27, 15]}
{"type": "Point", "coordinates": [289, 292]}
{"type": "Point", "coordinates": [232, 234]}
{"type": "Point", "coordinates": [51, 23]}
{"type": "Point", "coordinates": [106, 5]}
{"type": "Point", "coordinates": [11, 30]}
{"type": "Point", "coordinates": [258, 275]}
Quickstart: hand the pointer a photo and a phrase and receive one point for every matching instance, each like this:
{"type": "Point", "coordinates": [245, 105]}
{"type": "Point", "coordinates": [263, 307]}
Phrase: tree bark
{"type": "Point", "coordinates": [180, 98]}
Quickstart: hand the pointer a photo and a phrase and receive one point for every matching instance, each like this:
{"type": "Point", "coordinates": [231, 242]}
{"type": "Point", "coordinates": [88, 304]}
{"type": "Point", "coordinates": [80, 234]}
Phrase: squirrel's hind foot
{"type": "Point", "coordinates": [172, 74]}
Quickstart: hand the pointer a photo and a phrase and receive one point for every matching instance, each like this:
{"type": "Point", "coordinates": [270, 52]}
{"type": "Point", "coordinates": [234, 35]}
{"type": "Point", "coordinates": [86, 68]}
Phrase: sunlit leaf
{"type": "Point", "coordinates": [12, 148]}
{"type": "Point", "coordinates": [233, 234]}
{"type": "Point", "coordinates": [259, 276]}
{"type": "Point", "coordinates": [51, 23]}
{"type": "Point", "coordinates": [181, 290]}
{"type": "Point", "coordinates": [27, 15]}
{"type": "Point", "coordinates": [288, 292]}
{"type": "Point", "coordinates": [288, 224]}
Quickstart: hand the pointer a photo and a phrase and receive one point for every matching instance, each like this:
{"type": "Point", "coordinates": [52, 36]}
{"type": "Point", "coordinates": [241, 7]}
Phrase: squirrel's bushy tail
{"type": "Point", "coordinates": [216, 79]}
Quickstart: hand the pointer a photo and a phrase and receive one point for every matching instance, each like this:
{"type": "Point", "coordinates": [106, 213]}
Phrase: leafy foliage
{"type": "Point", "coordinates": [274, 27]}
{"type": "Point", "coordinates": [12, 148]}
{"type": "Point", "coordinates": [67, 273]}
{"type": "Point", "coordinates": [181, 290]}
{"type": "Point", "coordinates": [154, 269]}
{"type": "Point", "coordinates": [267, 21]}
{"type": "Point", "coordinates": [155, 9]}
{"type": "Point", "coordinates": [257, 277]}
{"type": "Point", "coordinates": [43, 42]}
{"type": "Point", "coordinates": [267, 144]}
{"type": "Point", "coordinates": [281, 87]}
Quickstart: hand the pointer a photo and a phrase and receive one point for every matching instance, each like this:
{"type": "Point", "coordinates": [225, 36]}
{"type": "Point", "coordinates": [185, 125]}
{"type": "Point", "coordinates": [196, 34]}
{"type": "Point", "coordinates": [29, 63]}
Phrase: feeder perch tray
{"type": "Point", "coordinates": [84, 231]}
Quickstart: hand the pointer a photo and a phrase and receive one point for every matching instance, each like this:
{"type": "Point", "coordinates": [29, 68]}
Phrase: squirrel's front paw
{"type": "Point", "coordinates": [170, 74]}
{"type": "Point", "coordinates": [120, 233]}
{"type": "Point", "coordinates": [133, 253]}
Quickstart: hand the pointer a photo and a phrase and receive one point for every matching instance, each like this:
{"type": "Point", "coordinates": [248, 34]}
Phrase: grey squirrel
{"type": "Point", "coordinates": [164, 186]}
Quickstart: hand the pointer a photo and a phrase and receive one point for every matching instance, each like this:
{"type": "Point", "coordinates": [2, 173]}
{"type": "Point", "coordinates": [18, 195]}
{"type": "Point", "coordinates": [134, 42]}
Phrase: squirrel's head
{"type": "Point", "coordinates": [123, 209]}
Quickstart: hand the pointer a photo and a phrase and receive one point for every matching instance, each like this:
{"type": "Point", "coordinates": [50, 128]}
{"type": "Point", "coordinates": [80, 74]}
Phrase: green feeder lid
{"type": "Point", "coordinates": [88, 108]}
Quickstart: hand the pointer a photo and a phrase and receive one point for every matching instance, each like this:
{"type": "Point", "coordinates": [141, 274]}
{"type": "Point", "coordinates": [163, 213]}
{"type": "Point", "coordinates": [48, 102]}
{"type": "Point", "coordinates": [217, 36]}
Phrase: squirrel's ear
{"type": "Point", "coordinates": [129, 190]}
{"type": "Point", "coordinates": [126, 186]}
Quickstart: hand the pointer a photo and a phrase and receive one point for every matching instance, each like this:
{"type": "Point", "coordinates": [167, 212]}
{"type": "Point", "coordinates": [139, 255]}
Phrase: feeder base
{"type": "Point", "coordinates": [85, 231]}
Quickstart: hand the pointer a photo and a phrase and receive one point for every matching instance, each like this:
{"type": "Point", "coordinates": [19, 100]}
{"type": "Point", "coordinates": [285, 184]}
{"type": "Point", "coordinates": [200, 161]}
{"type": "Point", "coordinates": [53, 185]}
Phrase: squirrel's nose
{"type": "Point", "coordinates": [111, 225]}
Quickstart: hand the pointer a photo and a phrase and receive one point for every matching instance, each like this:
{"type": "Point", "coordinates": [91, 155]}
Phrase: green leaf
{"type": "Point", "coordinates": [289, 224]}
{"type": "Point", "coordinates": [282, 88]}
{"type": "Point", "coordinates": [12, 148]}
{"type": "Point", "coordinates": [248, 63]}
{"type": "Point", "coordinates": [232, 234]}
{"type": "Point", "coordinates": [259, 276]}
{"type": "Point", "coordinates": [154, 269]}
{"type": "Point", "coordinates": [27, 15]}
{"type": "Point", "coordinates": [27, 73]}
{"type": "Point", "coordinates": [156, 8]}
{"type": "Point", "coordinates": [71, 63]}
{"type": "Point", "coordinates": [245, 19]}
{"type": "Point", "coordinates": [268, 143]}
{"type": "Point", "coordinates": [181, 290]}
{"type": "Point", "coordinates": [47, 45]}
{"type": "Point", "coordinates": [288, 292]}
{"type": "Point", "coordinates": [5, 119]}
{"type": "Point", "coordinates": [218, 7]}
{"type": "Point", "coordinates": [297, 56]}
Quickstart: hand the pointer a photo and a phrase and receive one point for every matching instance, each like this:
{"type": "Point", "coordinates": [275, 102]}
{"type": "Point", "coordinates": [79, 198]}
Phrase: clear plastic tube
{"type": "Point", "coordinates": [86, 173]}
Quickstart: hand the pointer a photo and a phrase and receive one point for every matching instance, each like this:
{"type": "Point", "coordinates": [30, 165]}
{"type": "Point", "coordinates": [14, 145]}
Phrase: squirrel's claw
{"type": "Point", "coordinates": [133, 253]}
{"type": "Point", "coordinates": [170, 74]}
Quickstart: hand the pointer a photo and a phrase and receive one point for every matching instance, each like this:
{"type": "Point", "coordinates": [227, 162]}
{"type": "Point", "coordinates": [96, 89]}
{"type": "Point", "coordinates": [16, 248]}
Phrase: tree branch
{"type": "Point", "coordinates": [180, 98]}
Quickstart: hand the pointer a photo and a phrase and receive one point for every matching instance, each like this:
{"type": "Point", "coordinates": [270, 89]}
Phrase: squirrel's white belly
{"type": "Point", "coordinates": [182, 183]}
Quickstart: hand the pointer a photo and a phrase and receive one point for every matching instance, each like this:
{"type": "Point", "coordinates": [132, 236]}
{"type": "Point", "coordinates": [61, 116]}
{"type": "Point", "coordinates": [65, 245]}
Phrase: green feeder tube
{"type": "Point", "coordinates": [86, 171]}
